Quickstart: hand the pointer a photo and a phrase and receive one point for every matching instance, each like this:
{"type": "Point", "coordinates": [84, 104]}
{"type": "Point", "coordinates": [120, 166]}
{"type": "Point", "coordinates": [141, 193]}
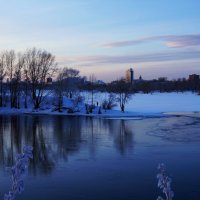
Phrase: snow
{"type": "Point", "coordinates": [139, 106]}
{"type": "Point", "coordinates": [164, 102]}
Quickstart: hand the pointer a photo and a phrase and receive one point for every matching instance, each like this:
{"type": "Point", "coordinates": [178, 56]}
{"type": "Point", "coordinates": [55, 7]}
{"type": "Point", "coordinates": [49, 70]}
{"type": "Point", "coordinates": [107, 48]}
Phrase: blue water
{"type": "Point", "coordinates": [78, 158]}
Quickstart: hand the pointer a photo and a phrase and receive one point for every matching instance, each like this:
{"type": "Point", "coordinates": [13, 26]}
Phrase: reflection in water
{"type": "Point", "coordinates": [101, 158]}
{"type": "Point", "coordinates": [55, 138]}
{"type": "Point", "coordinates": [41, 152]}
{"type": "Point", "coordinates": [123, 138]}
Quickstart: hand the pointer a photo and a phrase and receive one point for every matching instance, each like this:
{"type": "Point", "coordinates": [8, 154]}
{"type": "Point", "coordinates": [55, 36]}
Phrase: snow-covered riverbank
{"type": "Point", "coordinates": [140, 105]}
{"type": "Point", "coordinates": [164, 102]}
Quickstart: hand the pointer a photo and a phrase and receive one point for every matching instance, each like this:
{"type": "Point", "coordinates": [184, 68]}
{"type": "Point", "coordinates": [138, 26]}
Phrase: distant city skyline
{"type": "Point", "coordinates": [154, 37]}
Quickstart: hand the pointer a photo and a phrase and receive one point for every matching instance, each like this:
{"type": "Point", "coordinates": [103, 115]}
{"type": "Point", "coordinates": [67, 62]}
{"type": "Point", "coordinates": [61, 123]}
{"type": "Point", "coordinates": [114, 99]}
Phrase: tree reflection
{"type": "Point", "coordinates": [55, 138]}
{"type": "Point", "coordinates": [122, 133]}
{"type": "Point", "coordinates": [67, 134]}
{"type": "Point", "coordinates": [41, 153]}
{"type": "Point", "coordinates": [123, 138]}
{"type": "Point", "coordinates": [2, 158]}
{"type": "Point", "coordinates": [10, 139]}
{"type": "Point", "coordinates": [52, 139]}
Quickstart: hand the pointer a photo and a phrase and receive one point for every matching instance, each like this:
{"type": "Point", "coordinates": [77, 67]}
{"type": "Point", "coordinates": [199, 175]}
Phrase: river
{"type": "Point", "coordinates": [83, 158]}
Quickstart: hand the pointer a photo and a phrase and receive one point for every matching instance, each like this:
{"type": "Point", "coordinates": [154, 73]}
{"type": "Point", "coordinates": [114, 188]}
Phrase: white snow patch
{"type": "Point", "coordinates": [164, 102]}
{"type": "Point", "coordinates": [140, 105]}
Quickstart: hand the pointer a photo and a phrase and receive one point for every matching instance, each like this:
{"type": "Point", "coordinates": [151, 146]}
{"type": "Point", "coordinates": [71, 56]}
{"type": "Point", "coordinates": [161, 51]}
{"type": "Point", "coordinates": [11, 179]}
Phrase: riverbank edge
{"type": "Point", "coordinates": [110, 114]}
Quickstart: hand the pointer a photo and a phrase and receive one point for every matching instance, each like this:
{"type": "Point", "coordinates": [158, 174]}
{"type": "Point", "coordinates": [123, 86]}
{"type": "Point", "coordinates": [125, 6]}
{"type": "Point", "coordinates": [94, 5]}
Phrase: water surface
{"type": "Point", "coordinates": [79, 158]}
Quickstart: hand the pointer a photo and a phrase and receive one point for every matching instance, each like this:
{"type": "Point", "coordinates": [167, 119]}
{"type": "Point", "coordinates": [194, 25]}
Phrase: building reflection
{"type": "Point", "coordinates": [56, 138]}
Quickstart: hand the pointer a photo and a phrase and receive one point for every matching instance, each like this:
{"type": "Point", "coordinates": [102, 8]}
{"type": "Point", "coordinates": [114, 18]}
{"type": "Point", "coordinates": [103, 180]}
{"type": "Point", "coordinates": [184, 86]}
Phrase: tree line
{"type": "Point", "coordinates": [23, 80]}
{"type": "Point", "coordinates": [179, 85]}
{"type": "Point", "coordinates": [24, 75]}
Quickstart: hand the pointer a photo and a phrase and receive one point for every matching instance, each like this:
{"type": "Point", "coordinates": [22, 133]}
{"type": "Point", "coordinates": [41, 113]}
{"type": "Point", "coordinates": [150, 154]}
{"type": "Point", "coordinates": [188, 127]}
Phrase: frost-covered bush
{"type": "Point", "coordinates": [164, 183]}
{"type": "Point", "coordinates": [17, 172]}
{"type": "Point", "coordinates": [105, 104]}
{"type": "Point", "coordinates": [79, 98]}
{"type": "Point", "coordinates": [75, 103]}
{"type": "Point", "coordinates": [110, 103]}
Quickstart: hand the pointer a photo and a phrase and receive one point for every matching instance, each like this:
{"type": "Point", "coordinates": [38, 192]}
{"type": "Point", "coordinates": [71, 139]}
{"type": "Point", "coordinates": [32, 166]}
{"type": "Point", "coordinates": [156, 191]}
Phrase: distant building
{"type": "Point", "coordinates": [139, 80]}
{"type": "Point", "coordinates": [130, 75]}
{"type": "Point", "coordinates": [194, 77]}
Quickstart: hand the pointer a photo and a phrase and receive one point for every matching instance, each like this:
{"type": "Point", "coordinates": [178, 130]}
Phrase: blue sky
{"type": "Point", "coordinates": [156, 37]}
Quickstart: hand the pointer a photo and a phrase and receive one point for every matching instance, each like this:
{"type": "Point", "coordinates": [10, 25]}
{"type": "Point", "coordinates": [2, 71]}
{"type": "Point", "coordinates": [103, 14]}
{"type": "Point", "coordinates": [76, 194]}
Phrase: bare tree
{"type": "Point", "coordinates": [59, 90]}
{"type": "Point", "coordinates": [110, 102]}
{"type": "Point", "coordinates": [71, 80]}
{"type": "Point", "coordinates": [2, 76]}
{"type": "Point", "coordinates": [25, 87]}
{"type": "Point", "coordinates": [10, 64]}
{"type": "Point", "coordinates": [17, 79]}
{"type": "Point", "coordinates": [39, 64]}
{"type": "Point", "coordinates": [70, 72]}
{"type": "Point", "coordinates": [66, 84]}
{"type": "Point", "coordinates": [124, 91]}
{"type": "Point", "coordinates": [92, 80]}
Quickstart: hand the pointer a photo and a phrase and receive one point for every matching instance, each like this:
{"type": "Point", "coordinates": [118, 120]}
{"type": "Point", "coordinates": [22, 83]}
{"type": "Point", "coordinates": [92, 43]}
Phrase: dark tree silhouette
{"type": "Point", "coordinates": [39, 65]}
{"type": "Point", "coordinates": [123, 90]}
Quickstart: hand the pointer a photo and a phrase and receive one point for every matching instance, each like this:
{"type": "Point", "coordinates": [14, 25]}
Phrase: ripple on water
{"type": "Point", "coordinates": [176, 129]}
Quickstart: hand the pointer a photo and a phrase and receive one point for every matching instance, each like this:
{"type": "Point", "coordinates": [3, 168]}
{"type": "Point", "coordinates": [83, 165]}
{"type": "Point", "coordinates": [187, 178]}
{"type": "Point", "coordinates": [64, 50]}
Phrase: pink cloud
{"type": "Point", "coordinates": [172, 41]}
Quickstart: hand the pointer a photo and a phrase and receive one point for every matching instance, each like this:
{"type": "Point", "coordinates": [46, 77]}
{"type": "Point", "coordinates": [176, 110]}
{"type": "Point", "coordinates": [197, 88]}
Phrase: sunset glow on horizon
{"type": "Point", "coordinates": [155, 37]}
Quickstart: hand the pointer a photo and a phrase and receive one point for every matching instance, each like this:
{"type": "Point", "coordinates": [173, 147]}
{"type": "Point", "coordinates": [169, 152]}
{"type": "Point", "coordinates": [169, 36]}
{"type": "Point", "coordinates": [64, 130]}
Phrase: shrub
{"type": "Point", "coordinates": [17, 171]}
{"type": "Point", "coordinates": [164, 183]}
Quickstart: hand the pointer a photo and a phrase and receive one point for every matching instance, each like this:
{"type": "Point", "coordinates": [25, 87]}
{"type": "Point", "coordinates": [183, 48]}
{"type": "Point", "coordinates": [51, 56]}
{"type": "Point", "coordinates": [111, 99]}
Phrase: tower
{"type": "Point", "coordinates": [130, 75]}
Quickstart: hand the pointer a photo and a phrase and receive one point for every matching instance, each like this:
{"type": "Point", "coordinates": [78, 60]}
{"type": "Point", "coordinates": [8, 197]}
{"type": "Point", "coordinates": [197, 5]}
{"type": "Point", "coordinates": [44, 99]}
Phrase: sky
{"type": "Point", "coordinates": [106, 37]}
